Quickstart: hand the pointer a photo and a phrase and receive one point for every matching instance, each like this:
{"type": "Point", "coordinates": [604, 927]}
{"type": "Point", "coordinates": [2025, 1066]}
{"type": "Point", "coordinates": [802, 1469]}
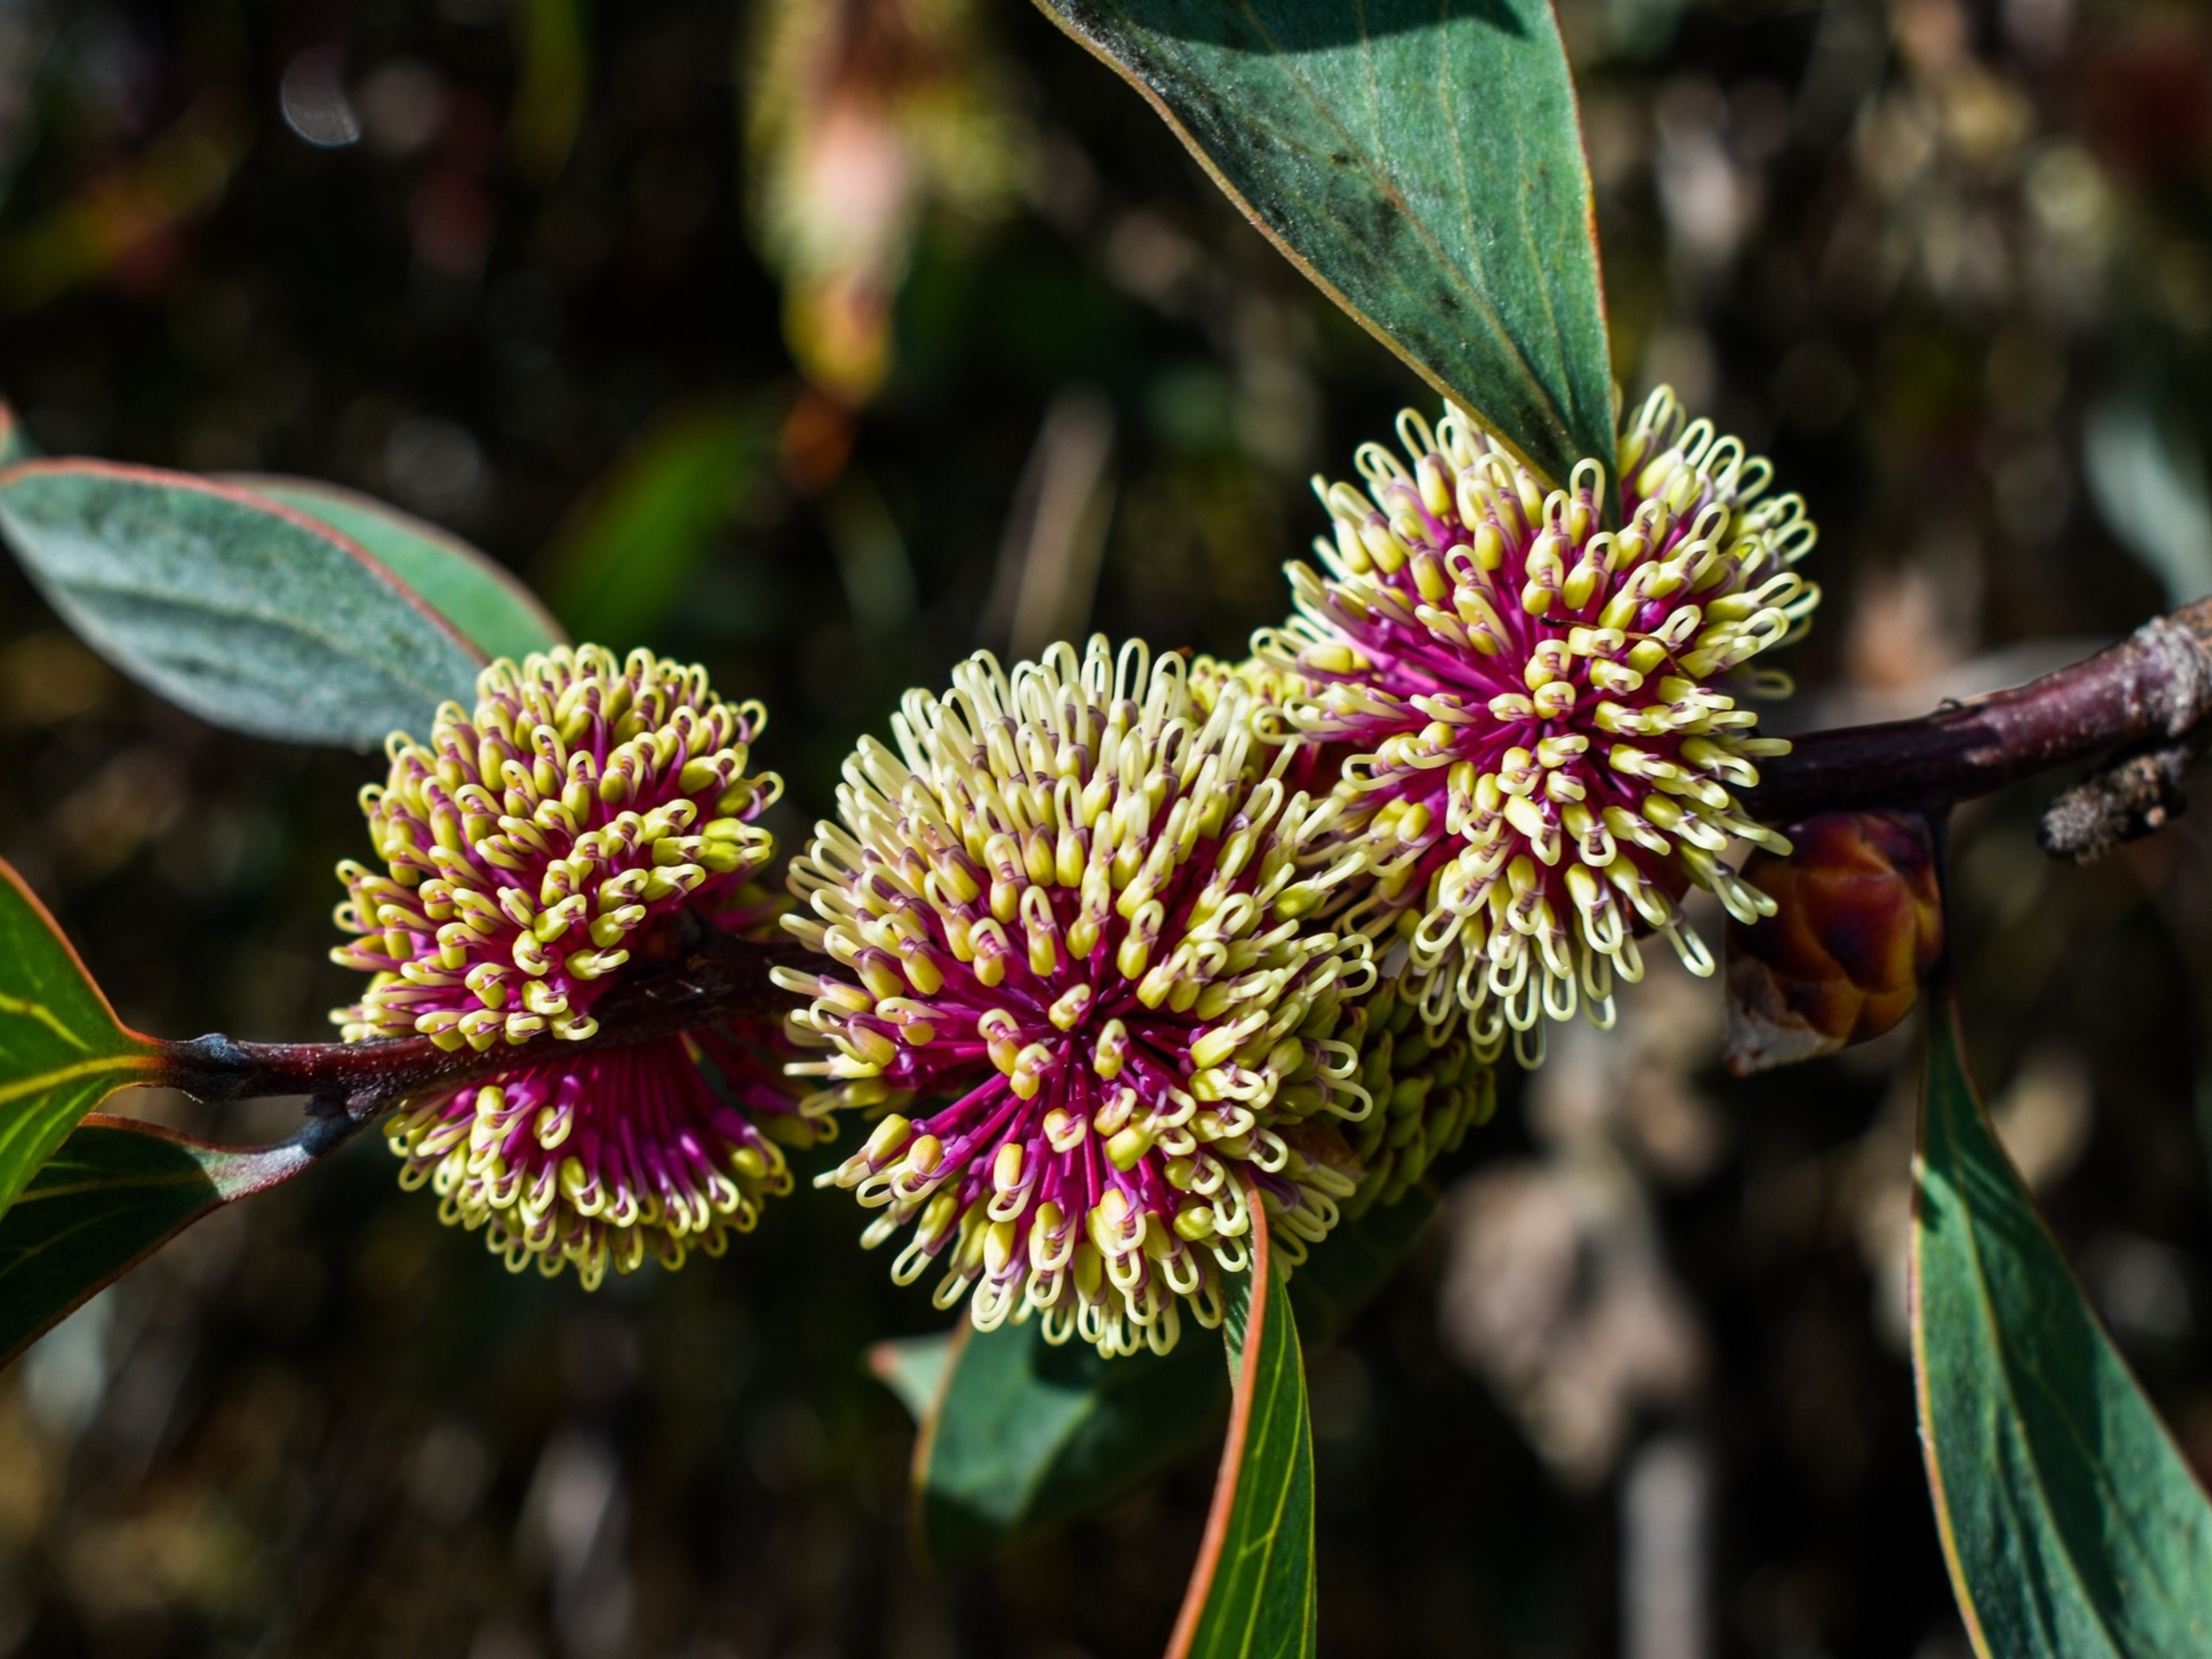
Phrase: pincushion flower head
{"type": "Point", "coordinates": [1269, 689]}
{"type": "Point", "coordinates": [589, 812]}
{"type": "Point", "coordinates": [1543, 712]}
{"type": "Point", "coordinates": [1072, 920]}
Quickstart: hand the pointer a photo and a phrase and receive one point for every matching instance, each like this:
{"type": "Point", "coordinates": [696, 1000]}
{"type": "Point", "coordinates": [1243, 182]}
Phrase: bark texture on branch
{"type": "Point", "coordinates": [2135, 796]}
{"type": "Point", "coordinates": [721, 977]}
{"type": "Point", "coordinates": [2152, 689]}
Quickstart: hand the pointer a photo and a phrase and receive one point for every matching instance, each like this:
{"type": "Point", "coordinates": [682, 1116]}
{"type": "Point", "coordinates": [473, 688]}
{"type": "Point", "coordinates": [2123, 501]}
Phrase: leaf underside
{"type": "Point", "coordinates": [1422, 162]}
{"type": "Point", "coordinates": [499, 615]}
{"type": "Point", "coordinates": [62, 1050]}
{"type": "Point", "coordinates": [2072, 1525]}
{"type": "Point", "coordinates": [116, 1191]}
{"type": "Point", "coordinates": [245, 613]}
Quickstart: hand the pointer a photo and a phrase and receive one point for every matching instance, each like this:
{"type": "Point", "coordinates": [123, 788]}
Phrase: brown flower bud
{"type": "Point", "coordinates": [1858, 923]}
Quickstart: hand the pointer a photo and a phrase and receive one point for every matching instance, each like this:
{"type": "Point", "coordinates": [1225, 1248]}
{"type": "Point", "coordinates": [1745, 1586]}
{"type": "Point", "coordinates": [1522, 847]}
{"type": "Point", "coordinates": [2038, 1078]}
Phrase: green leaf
{"type": "Point", "coordinates": [620, 564]}
{"type": "Point", "coordinates": [2071, 1524]}
{"type": "Point", "coordinates": [115, 1191]}
{"type": "Point", "coordinates": [14, 443]}
{"type": "Point", "coordinates": [1422, 164]}
{"type": "Point", "coordinates": [245, 612]}
{"type": "Point", "coordinates": [62, 1051]}
{"type": "Point", "coordinates": [1019, 1436]}
{"type": "Point", "coordinates": [1252, 1595]}
{"type": "Point", "coordinates": [556, 73]}
{"type": "Point", "coordinates": [913, 1367]}
{"type": "Point", "coordinates": [500, 616]}
{"type": "Point", "coordinates": [1026, 1435]}
{"type": "Point", "coordinates": [1346, 1271]}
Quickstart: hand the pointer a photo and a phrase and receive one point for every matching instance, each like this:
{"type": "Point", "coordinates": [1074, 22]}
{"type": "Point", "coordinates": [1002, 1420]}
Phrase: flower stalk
{"type": "Point", "coordinates": [2154, 687]}
{"type": "Point", "coordinates": [718, 977]}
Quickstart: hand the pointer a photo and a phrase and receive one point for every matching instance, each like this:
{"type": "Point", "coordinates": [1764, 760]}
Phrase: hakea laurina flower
{"type": "Point", "coordinates": [589, 811]}
{"type": "Point", "coordinates": [1075, 913]}
{"type": "Point", "coordinates": [1312, 766]}
{"type": "Point", "coordinates": [1542, 712]}
{"type": "Point", "coordinates": [1429, 1089]}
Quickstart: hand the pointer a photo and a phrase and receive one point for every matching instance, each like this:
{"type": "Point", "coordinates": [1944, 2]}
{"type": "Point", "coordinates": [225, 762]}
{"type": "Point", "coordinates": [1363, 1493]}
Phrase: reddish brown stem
{"type": "Point", "coordinates": [720, 978]}
{"type": "Point", "coordinates": [2154, 686]}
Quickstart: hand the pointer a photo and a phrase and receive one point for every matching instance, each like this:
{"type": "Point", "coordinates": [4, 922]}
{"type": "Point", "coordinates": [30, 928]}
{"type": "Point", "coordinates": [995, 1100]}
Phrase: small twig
{"type": "Point", "coordinates": [2153, 687]}
{"type": "Point", "coordinates": [720, 978]}
{"type": "Point", "coordinates": [2135, 796]}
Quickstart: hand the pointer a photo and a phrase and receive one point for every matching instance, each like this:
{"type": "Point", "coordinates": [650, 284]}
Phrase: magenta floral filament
{"type": "Point", "coordinates": [1541, 714]}
{"type": "Point", "coordinates": [1071, 921]}
{"type": "Point", "coordinates": [589, 810]}
{"type": "Point", "coordinates": [599, 1158]}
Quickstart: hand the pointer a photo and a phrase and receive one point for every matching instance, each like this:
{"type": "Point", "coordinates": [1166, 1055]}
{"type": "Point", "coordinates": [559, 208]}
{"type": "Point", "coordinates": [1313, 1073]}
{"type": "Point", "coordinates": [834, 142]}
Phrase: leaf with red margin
{"type": "Point", "coordinates": [468, 587]}
{"type": "Point", "coordinates": [14, 443]}
{"type": "Point", "coordinates": [1017, 1435]}
{"type": "Point", "coordinates": [247, 613]}
{"type": "Point", "coordinates": [2071, 1524]}
{"type": "Point", "coordinates": [62, 1051]}
{"type": "Point", "coordinates": [1252, 1594]}
{"type": "Point", "coordinates": [1421, 162]}
{"type": "Point", "coordinates": [117, 1192]}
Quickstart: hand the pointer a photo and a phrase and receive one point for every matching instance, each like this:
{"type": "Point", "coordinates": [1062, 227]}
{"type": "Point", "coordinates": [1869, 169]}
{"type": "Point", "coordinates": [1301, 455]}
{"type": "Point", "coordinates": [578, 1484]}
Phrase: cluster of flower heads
{"type": "Point", "coordinates": [1115, 948]}
{"type": "Point", "coordinates": [1074, 917]}
{"type": "Point", "coordinates": [588, 810]}
{"type": "Point", "coordinates": [1540, 712]}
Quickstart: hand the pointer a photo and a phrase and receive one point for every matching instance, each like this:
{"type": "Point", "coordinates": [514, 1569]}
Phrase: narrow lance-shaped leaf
{"type": "Point", "coordinates": [620, 564]}
{"type": "Point", "coordinates": [1018, 1436]}
{"type": "Point", "coordinates": [500, 616]}
{"type": "Point", "coordinates": [62, 1051]}
{"type": "Point", "coordinates": [115, 1191]}
{"type": "Point", "coordinates": [245, 612]}
{"type": "Point", "coordinates": [1252, 1595]}
{"type": "Point", "coordinates": [1422, 162]}
{"type": "Point", "coordinates": [556, 59]}
{"type": "Point", "coordinates": [2072, 1525]}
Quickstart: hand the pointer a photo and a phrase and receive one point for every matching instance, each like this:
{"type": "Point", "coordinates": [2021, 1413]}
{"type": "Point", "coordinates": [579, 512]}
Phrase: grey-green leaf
{"type": "Point", "coordinates": [500, 616]}
{"type": "Point", "coordinates": [245, 612]}
{"type": "Point", "coordinates": [115, 1191]}
{"type": "Point", "coordinates": [1252, 1595]}
{"type": "Point", "coordinates": [2073, 1527]}
{"type": "Point", "coordinates": [14, 443]}
{"type": "Point", "coordinates": [1422, 162]}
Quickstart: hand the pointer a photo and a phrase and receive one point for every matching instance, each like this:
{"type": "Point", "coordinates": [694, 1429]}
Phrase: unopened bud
{"type": "Point", "coordinates": [1858, 922]}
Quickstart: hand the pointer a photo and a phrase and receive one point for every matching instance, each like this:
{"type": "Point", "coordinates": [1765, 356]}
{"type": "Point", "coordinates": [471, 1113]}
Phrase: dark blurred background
{"type": "Point", "coordinates": [825, 340]}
